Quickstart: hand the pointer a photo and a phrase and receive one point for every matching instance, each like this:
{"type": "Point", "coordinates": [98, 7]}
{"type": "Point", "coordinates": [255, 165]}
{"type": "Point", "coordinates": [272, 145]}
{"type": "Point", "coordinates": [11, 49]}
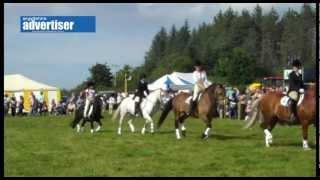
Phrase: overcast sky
{"type": "Point", "coordinates": [123, 35]}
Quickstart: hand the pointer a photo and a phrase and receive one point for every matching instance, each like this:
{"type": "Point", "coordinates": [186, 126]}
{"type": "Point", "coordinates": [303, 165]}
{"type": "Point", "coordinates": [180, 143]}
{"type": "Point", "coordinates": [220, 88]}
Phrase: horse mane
{"type": "Point", "coordinates": [212, 87]}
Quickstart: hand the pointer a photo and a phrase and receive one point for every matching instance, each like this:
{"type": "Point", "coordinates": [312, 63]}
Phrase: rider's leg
{"type": "Point", "coordinates": [86, 106]}
{"type": "Point", "coordinates": [194, 98]}
{"type": "Point", "coordinates": [293, 106]}
{"type": "Point", "coordinates": [90, 110]}
{"type": "Point", "coordinates": [138, 106]}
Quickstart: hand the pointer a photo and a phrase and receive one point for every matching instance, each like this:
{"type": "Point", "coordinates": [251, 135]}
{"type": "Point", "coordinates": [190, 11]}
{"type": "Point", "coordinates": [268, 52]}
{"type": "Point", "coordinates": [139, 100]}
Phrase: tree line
{"type": "Point", "coordinates": [236, 48]}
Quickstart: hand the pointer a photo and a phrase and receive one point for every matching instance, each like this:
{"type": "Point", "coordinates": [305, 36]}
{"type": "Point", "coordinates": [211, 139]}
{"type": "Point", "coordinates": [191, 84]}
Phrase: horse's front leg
{"type": "Point", "coordinates": [305, 144]}
{"type": "Point", "coordinates": [82, 124]}
{"type": "Point", "coordinates": [148, 119]}
{"type": "Point", "coordinates": [120, 124]}
{"type": "Point", "coordinates": [91, 125]}
{"type": "Point", "coordinates": [99, 126]}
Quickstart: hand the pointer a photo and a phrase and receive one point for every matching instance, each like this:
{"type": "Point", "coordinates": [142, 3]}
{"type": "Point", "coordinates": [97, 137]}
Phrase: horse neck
{"type": "Point", "coordinates": [153, 97]}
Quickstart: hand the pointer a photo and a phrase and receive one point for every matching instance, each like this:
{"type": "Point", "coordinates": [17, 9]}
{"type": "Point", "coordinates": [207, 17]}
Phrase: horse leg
{"type": "Point", "coordinates": [131, 125]}
{"type": "Point", "coordinates": [78, 127]}
{"type": "Point", "coordinates": [268, 125]}
{"type": "Point", "coordinates": [183, 128]}
{"type": "Point", "coordinates": [148, 119]}
{"type": "Point", "coordinates": [82, 124]}
{"type": "Point", "coordinates": [305, 144]}
{"type": "Point", "coordinates": [176, 124]}
{"type": "Point", "coordinates": [120, 124]}
{"type": "Point", "coordinates": [205, 134]}
{"type": "Point", "coordinates": [91, 125]}
{"type": "Point", "coordinates": [99, 126]}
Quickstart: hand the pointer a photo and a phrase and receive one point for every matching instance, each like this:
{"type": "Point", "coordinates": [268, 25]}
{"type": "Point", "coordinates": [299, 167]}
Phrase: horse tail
{"type": "Point", "coordinates": [116, 113]}
{"type": "Point", "coordinates": [167, 108]}
{"type": "Point", "coordinates": [256, 114]}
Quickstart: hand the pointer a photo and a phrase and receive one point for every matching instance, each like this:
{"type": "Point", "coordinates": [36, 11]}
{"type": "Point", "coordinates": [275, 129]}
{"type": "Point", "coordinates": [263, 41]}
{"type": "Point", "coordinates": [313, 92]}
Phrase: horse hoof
{"type": "Point", "coordinates": [204, 136]}
{"type": "Point", "coordinates": [306, 148]}
{"type": "Point", "coordinates": [184, 133]}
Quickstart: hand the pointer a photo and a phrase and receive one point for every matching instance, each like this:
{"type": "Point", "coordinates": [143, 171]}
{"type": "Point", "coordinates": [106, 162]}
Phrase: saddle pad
{"type": "Point", "coordinates": [187, 101]}
{"type": "Point", "coordinates": [285, 100]}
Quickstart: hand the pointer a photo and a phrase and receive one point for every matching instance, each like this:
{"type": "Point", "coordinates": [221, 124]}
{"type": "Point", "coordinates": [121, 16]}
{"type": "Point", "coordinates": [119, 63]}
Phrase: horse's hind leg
{"type": "Point", "coordinates": [82, 125]}
{"type": "Point", "coordinates": [268, 125]}
{"type": "Point", "coordinates": [131, 125]}
{"type": "Point", "coordinates": [99, 126]}
{"type": "Point", "coordinates": [176, 124]}
{"type": "Point", "coordinates": [120, 124]}
{"type": "Point", "coordinates": [305, 144]}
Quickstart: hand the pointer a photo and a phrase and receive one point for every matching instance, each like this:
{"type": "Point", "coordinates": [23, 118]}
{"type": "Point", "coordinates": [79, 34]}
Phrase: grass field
{"type": "Point", "coordinates": [47, 146]}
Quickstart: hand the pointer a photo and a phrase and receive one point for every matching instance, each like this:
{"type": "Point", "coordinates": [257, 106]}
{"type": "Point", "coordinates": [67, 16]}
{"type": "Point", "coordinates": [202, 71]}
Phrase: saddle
{"type": "Point", "coordinates": [188, 100]}
{"type": "Point", "coordinates": [285, 100]}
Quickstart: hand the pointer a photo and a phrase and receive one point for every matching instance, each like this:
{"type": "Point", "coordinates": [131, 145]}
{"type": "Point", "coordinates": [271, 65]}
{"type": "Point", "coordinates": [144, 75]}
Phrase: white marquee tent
{"type": "Point", "coordinates": [175, 80]}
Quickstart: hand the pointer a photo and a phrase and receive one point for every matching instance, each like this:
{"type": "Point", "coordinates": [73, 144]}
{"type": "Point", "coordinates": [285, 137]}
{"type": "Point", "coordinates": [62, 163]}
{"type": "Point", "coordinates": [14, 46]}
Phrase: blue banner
{"type": "Point", "coordinates": [57, 24]}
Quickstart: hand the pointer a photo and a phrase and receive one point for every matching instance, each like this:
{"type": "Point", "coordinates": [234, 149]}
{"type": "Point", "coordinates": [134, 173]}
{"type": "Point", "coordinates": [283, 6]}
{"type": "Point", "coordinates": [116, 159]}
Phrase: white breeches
{"type": "Point", "coordinates": [86, 107]}
{"type": "Point", "coordinates": [198, 87]}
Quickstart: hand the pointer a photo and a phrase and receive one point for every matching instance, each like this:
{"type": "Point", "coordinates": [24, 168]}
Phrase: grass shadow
{"type": "Point", "coordinates": [230, 137]}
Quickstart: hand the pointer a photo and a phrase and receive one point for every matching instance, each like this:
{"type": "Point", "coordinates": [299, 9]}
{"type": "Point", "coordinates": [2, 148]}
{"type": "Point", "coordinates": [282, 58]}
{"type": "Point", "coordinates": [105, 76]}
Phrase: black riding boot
{"type": "Point", "coordinates": [136, 108]}
{"type": "Point", "coordinates": [294, 115]}
{"type": "Point", "coordinates": [192, 106]}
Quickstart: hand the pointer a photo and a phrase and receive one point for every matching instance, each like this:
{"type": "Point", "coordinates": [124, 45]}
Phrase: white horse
{"type": "Point", "coordinates": [147, 106]}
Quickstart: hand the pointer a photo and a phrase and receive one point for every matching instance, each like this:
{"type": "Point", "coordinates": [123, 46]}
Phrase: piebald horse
{"type": "Point", "coordinates": [269, 111]}
{"type": "Point", "coordinates": [95, 116]}
{"type": "Point", "coordinates": [207, 108]}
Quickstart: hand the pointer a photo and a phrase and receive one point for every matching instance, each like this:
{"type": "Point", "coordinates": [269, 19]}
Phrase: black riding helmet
{"type": "Point", "coordinates": [143, 76]}
{"type": "Point", "coordinates": [296, 63]}
{"type": "Point", "coordinates": [198, 63]}
{"type": "Point", "coordinates": [90, 83]}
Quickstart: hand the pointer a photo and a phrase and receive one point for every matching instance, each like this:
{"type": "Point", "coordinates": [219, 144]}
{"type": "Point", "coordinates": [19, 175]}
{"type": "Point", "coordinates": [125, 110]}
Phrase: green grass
{"type": "Point", "coordinates": [47, 146]}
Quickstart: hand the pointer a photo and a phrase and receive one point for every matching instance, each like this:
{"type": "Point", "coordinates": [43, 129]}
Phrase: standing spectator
{"type": "Point", "coordinates": [6, 104]}
{"type": "Point", "coordinates": [233, 106]}
{"type": "Point", "coordinates": [119, 99]}
{"type": "Point", "coordinates": [241, 106]}
{"type": "Point", "coordinates": [111, 102]}
{"type": "Point", "coordinates": [13, 105]}
{"type": "Point", "coordinates": [20, 106]}
{"type": "Point", "coordinates": [44, 107]}
{"type": "Point", "coordinates": [33, 104]}
{"type": "Point", "coordinates": [72, 99]}
{"type": "Point", "coordinates": [40, 103]}
{"type": "Point", "coordinates": [53, 106]}
{"type": "Point", "coordinates": [80, 100]}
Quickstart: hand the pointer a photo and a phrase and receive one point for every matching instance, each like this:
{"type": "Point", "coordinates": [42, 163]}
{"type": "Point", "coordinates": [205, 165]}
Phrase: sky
{"type": "Point", "coordinates": [124, 33]}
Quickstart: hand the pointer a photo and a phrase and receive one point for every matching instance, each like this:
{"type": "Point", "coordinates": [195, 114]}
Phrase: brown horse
{"type": "Point", "coordinates": [269, 111]}
{"type": "Point", "coordinates": [206, 108]}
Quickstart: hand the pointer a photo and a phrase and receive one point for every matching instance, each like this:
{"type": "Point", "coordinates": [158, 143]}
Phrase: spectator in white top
{"type": "Point", "coordinates": [40, 100]}
{"type": "Point", "coordinates": [111, 102]}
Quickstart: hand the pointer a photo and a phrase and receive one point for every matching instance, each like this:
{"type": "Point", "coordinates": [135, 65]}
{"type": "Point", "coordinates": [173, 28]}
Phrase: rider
{"type": "Point", "coordinates": [201, 82]}
{"type": "Point", "coordinates": [295, 87]}
{"type": "Point", "coordinates": [141, 91]}
{"type": "Point", "coordinates": [90, 94]}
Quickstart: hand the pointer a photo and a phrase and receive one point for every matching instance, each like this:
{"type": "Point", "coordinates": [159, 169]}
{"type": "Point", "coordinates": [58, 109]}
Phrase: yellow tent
{"type": "Point", "coordinates": [19, 85]}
